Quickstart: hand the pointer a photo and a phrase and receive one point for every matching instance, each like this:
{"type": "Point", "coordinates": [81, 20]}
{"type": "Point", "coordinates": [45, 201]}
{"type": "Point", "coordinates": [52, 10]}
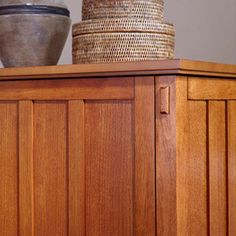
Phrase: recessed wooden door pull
{"type": "Point", "coordinates": [165, 100]}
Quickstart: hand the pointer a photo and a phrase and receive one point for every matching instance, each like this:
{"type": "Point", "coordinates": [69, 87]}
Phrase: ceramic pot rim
{"type": "Point", "coordinates": [33, 9]}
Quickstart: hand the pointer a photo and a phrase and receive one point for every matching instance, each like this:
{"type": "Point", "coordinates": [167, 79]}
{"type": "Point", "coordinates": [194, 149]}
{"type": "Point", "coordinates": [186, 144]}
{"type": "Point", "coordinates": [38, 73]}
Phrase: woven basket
{"type": "Point", "coordinates": [144, 9]}
{"type": "Point", "coordinates": [122, 25]}
{"type": "Point", "coordinates": [119, 47]}
{"type": "Point", "coordinates": [122, 30]}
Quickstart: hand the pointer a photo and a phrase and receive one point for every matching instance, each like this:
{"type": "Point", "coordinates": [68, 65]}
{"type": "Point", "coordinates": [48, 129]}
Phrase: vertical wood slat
{"type": "Point", "coordinates": [76, 168]}
{"type": "Point", "coordinates": [8, 169]}
{"type": "Point", "coordinates": [50, 172]}
{"type": "Point", "coordinates": [196, 191]}
{"type": "Point", "coordinates": [144, 157]}
{"type": "Point", "coordinates": [166, 222]}
{"type": "Point", "coordinates": [217, 168]}
{"type": "Point", "coordinates": [232, 167]}
{"type": "Point", "coordinates": [182, 132]}
{"type": "Point", "coordinates": [109, 168]}
{"type": "Point", "coordinates": [26, 204]}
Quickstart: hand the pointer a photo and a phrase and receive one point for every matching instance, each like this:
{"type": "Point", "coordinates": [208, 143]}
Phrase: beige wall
{"type": "Point", "coordinates": [205, 29]}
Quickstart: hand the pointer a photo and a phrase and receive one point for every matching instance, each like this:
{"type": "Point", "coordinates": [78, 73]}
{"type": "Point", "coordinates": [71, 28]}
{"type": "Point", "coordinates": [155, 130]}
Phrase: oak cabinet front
{"type": "Point", "coordinates": [123, 149]}
{"type": "Point", "coordinates": [77, 157]}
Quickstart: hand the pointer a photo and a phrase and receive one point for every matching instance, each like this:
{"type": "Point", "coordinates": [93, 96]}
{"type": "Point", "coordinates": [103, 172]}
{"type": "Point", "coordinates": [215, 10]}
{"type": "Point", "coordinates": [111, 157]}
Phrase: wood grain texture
{"type": "Point", "coordinates": [76, 168]}
{"type": "Point", "coordinates": [109, 168]}
{"type": "Point", "coordinates": [211, 88]}
{"type": "Point", "coordinates": [165, 100]}
{"type": "Point", "coordinates": [217, 169]}
{"type": "Point", "coordinates": [166, 222]}
{"type": "Point", "coordinates": [86, 162]}
{"type": "Point", "coordinates": [106, 88]}
{"type": "Point", "coordinates": [182, 132]}
{"type": "Point", "coordinates": [26, 204]}
{"type": "Point", "coordinates": [159, 67]}
{"type": "Point", "coordinates": [232, 167]}
{"type": "Point", "coordinates": [90, 70]}
{"type": "Point", "coordinates": [144, 157]}
{"type": "Point", "coordinates": [196, 171]}
{"type": "Point", "coordinates": [50, 172]}
{"type": "Point", "coordinates": [8, 169]}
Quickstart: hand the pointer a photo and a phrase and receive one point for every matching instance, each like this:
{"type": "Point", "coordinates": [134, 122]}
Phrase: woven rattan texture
{"type": "Point", "coordinates": [122, 25]}
{"type": "Point", "coordinates": [122, 30]}
{"type": "Point", "coordinates": [114, 47]}
{"type": "Point", "coordinates": [143, 9]}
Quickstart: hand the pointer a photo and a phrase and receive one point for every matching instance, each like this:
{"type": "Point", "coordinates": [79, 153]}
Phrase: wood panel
{"type": "Point", "coordinates": [232, 167]}
{"type": "Point", "coordinates": [106, 88]}
{"type": "Point", "coordinates": [76, 169]}
{"type": "Point", "coordinates": [109, 168]}
{"type": "Point", "coordinates": [217, 169]}
{"type": "Point", "coordinates": [211, 88]}
{"type": "Point", "coordinates": [159, 67]}
{"type": "Point", "coordinates": [26, 204]}
{"type": "Point", "coordinates": [182, 132]}
{"type": "Point", "coordinates": [8, 169]}
{"type": "Point", "coordinates": [144, 157]}
{"type": "Point", "coordinates": [50, 172]}
{"type": "Point", "coordinates": [196, 171]}
{"type": "Point", "coordinates": [166, 161]}
{"type": "Point", "coordinates": [94, 70]}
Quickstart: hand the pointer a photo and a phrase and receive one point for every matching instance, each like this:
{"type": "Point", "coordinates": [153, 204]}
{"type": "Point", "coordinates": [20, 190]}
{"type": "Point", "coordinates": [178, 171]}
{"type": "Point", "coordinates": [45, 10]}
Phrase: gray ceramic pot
{"type": "Point", "coordinates": [32, 34]}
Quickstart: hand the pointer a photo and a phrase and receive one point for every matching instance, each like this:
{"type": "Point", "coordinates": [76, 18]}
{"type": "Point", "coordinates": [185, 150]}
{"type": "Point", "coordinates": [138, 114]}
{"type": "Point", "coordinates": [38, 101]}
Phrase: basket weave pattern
{"type": "Point", "coordinates": [122, 30]}
{"type": "Point", "coordinates": [121, 25]}
{"type": "Point", "coordinates": [95, 9]}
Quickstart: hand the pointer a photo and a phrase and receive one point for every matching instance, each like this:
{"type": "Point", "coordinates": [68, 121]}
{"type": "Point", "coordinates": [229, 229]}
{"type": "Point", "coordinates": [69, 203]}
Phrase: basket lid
{"type": "Point", "coordinates": [122, 25]}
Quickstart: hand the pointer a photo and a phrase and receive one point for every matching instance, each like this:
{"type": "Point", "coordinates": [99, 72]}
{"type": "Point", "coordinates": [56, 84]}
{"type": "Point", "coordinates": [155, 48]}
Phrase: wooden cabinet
{"type": "Point", "coordinates": [123, 149]}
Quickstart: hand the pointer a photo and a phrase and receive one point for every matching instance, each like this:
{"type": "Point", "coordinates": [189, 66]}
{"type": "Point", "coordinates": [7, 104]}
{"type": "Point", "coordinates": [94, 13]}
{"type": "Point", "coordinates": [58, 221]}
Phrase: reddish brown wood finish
{"type": "Point", "coordinates": [107, 88]}
{"type": "Point", "coordinates": [144, 169]}
{"type": "Point", "coordinates": [76, 168]}
{"type": "Point", "coordinates": [217, 169]}
{"type": "Point", "coordinates": [231, 108]}
{"type": "Point", "coordinates": [196, 168]}
{"type": "Point", "coordinates": [50, 168]}
{"type": "Point", "coordinates": [109, 168]}
{"type": "Point", "coordinates": [26, 169]}
{"type": "Point", "coordinates": [147, 151]}
{"type": "Point", "coordinates": [8, 169]}
{"type": "Point", "coordinates": [166, 161]}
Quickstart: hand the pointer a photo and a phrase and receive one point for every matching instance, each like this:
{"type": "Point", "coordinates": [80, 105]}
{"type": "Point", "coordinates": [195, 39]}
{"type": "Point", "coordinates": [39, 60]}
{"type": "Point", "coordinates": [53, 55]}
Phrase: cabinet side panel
{"type": "Point", "coordinates": [50, 172]}
{"type": "Point", "coordinates": [217, 169]}
{"type": "Point", "coordinates": [144, 157]}
{"type": "Point", "coordinates": [8, 169]}
{"type": "Point", "coordinates": [195, 168]}
{"type": "Point", "coordinates": [192, 163]}
{"type": "Point", "coordinates": [109, 168]}
{"type": "Point", "coordinates": [232, 166]}
{"type": "Point", "coordinates": [200, 88]}
{"type": "Point", "coordinates": [166, 161]}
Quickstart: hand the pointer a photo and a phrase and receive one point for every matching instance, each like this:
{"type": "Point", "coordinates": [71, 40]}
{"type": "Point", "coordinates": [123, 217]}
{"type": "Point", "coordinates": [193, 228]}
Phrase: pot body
{"type": "Point", "coordinates": [30, 39]}
{"type": "Point", "coordinates": [56, 3]}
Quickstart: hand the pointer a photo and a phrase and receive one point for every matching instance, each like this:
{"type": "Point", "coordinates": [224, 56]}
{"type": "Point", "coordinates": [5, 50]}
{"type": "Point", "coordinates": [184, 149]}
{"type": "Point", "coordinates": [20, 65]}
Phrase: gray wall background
{"type": "Point", "coordinates": [205, 29]}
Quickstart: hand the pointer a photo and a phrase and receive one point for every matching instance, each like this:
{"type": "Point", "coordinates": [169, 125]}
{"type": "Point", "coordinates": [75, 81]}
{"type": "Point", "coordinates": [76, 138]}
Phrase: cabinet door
{"type": "Point", "coordinates": [77, 157]}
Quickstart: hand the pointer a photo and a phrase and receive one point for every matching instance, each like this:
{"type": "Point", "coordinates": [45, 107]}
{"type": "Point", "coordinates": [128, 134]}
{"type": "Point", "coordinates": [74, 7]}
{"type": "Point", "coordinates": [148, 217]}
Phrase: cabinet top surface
{"type": "Point", "coordinates": [163, 67]}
